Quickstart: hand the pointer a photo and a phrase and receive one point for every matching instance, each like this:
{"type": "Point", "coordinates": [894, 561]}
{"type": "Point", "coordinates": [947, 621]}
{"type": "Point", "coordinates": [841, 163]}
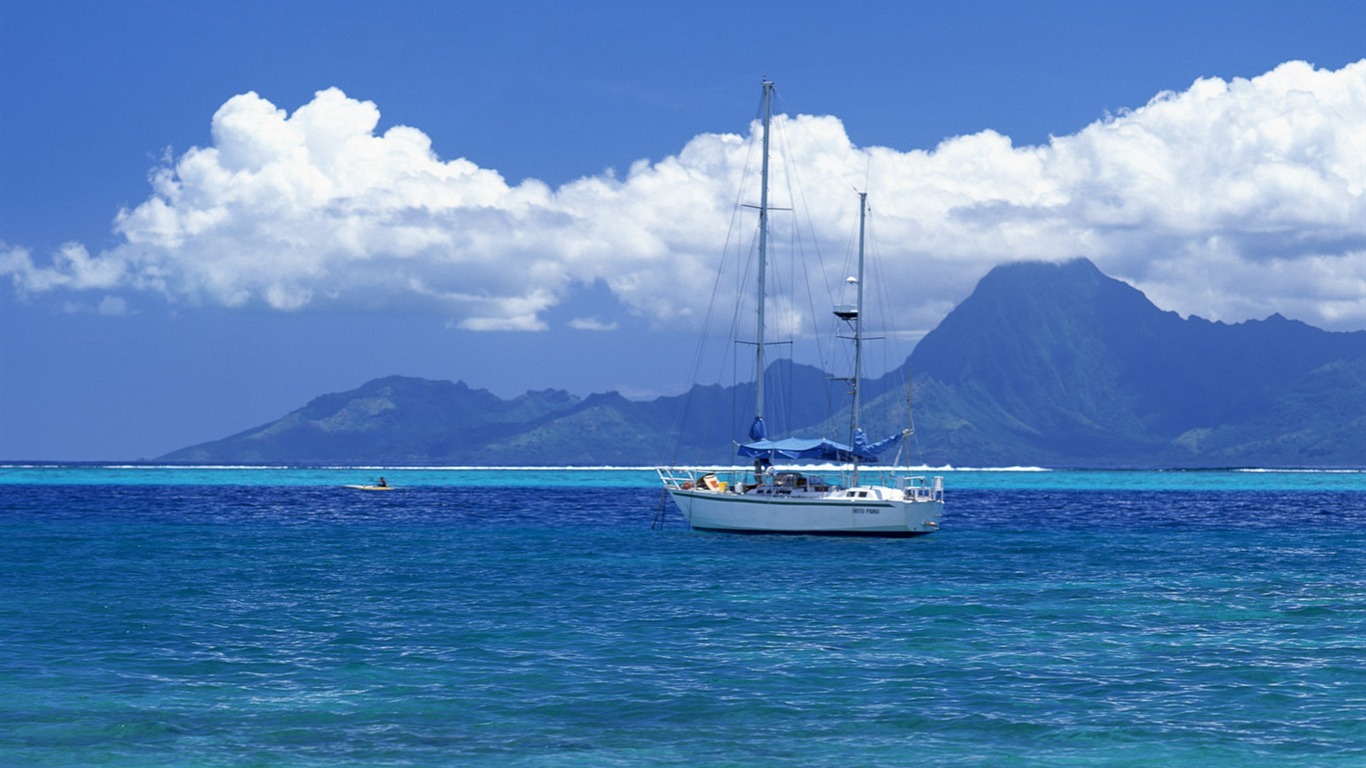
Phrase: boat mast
{"type": "Point", "coordinates": [858, 330]}
{"type": "Point", "coordinates": [763, 264]}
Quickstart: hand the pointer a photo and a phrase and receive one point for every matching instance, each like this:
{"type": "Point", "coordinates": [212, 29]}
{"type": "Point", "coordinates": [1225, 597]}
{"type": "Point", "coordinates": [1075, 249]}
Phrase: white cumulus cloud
{"type": "Point", "coordinates": [1230, 200]}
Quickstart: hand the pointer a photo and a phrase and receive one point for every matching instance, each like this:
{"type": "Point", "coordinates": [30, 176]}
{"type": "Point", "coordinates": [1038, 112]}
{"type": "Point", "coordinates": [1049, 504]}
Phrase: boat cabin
{"type": "Point", "coordinates": [786, 483]}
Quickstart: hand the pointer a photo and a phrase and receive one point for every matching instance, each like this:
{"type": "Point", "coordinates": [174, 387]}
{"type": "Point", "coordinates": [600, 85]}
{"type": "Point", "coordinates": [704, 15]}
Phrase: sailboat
{"type": "Point", "coordinates": [777, 497]}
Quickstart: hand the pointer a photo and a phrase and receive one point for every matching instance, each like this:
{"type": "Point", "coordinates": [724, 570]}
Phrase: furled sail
{"type": "Point", "coordinates": [819, 449]}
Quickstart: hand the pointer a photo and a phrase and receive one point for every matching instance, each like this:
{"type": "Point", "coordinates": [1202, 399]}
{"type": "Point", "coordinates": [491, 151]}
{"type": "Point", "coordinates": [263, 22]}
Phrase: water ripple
{"type": "Point", "coordinates": [218, 625]}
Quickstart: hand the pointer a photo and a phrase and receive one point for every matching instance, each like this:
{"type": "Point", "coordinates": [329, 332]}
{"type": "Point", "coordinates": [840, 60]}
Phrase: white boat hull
{"type": "Point", "coordinates": [860, 511]}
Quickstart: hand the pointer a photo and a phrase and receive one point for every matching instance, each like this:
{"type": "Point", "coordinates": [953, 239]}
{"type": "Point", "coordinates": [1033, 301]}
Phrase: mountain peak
{"type": "Point", "coordinates": [1061, 355]}
{"type": "Point", "coordinates": [1046, 363]}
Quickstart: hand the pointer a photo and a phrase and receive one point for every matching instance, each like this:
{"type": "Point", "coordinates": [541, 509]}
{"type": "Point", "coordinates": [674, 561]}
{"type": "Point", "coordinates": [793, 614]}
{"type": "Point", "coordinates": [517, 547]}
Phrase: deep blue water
{"type": "Point", "coordinates": [237, 619]}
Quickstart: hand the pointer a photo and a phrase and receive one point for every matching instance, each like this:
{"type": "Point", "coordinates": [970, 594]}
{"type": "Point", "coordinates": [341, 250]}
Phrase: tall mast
{"type": "Point", "coordinates": [858, 318]}
{"type": "Point", "coordinates": [763, 265]}
{"type": "Point", "coordinates": [858, 330]}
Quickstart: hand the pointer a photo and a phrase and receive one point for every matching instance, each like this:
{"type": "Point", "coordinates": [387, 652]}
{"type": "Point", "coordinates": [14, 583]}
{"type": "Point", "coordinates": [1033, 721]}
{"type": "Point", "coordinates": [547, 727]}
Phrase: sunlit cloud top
{"type": "Point", "coordinates": [1230, 200]}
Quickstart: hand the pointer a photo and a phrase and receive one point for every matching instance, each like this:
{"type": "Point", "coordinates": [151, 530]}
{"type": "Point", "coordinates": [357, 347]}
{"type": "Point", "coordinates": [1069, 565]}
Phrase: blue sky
{"type": "Point", "coordinates": [504, 193]}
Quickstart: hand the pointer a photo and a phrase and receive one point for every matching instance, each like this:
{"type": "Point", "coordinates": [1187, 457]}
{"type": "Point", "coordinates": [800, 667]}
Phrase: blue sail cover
{"type": "Point", "coordinates": [817, 449]}
{"type": "Point", "coordinates": [757, 430]}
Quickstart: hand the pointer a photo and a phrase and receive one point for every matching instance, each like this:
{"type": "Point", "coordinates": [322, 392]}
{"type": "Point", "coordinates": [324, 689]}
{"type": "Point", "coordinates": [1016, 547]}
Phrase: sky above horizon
{"type": "Point", "coordinates": [211, 213]}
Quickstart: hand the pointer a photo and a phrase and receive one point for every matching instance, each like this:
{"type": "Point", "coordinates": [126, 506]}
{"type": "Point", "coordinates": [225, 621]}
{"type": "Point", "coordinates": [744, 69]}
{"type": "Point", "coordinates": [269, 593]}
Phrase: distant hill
{"type": "Point", "coordinates": [412, 421]}
{"type": "Point", "coordinates": [1044, 364]}
{"type": "Point", "coordinates": [391, 420]}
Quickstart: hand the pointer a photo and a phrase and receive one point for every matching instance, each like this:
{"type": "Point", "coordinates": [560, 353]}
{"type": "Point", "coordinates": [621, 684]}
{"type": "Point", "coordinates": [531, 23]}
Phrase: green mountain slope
{"type": "Point", "coordinates": [1058, 364]}
{"type": "Point", "coordinates": [1044, 364]}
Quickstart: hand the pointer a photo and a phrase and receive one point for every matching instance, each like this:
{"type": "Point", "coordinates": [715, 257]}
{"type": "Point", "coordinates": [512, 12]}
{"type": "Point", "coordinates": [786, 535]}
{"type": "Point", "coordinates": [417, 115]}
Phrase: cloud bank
{"type": "Point", "coordinates": [1230, 200]}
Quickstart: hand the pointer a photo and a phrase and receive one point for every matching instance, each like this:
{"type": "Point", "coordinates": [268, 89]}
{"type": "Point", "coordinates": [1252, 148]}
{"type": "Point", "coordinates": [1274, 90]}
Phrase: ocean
{"type": "Point", "coordinates": [164, 616]}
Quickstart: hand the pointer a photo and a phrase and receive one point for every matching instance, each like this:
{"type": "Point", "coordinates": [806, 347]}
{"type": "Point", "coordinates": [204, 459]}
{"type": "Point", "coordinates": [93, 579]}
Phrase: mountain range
{"type": "Point", "coordinates": [1044, 364]}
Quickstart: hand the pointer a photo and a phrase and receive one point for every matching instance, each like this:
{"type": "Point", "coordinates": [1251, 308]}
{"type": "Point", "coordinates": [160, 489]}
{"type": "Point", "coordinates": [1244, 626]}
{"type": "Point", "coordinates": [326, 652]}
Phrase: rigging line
{"type": "Point", "coordinates": [700, 349]}
{"type": "Point", "coordinates": [796, 187]}
{"type": "Point", "coordinates": [891, 353]}
{"type": "Point", "coordinates": [823, 149]}
{"type": "Point", "coordinates": [745, 267]}
{"type": "Point", "coordinates": [880, 316]}
{"type": "Point", "coordinates": [910, 417]}
{"type": "Point", "coordinates": [800, 237]}
{"type": "Point", "coordinates": [747, 172]}
{"type": "Point", "coordinates": [898, 365]}
{"type": "Point", "coordinates": [839, 329]}
{"type": "Point", "coordinates": [904, 340]}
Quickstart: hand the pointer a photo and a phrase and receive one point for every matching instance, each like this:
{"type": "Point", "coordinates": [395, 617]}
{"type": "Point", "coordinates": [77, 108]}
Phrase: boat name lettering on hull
{"type": "Point", "coordinates": [867, 511]}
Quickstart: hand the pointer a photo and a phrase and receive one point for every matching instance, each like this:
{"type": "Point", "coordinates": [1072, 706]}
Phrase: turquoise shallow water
{"type": "Point", "coordinates": [644, 477]}
{"type": "Point", "coordinates": [229, 617]}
